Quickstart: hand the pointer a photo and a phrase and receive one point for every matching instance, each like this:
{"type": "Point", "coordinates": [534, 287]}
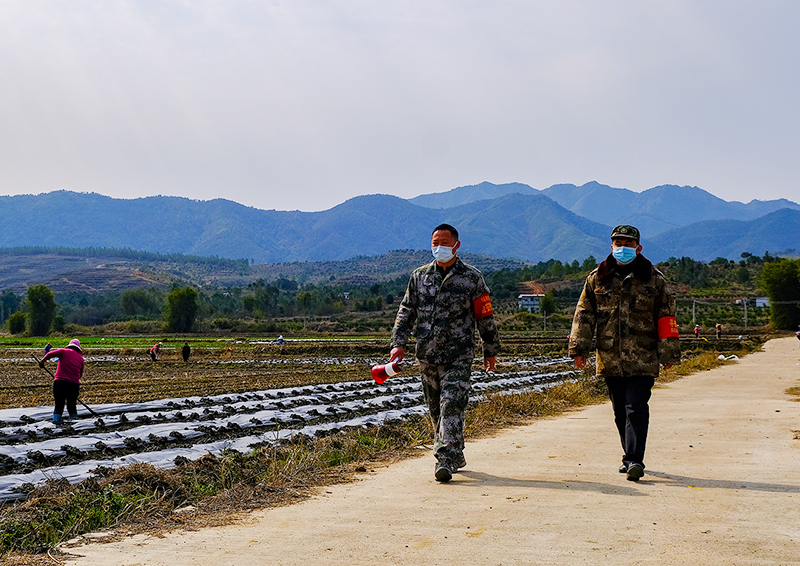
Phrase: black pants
{"type": "Point", "coordinates": [65, 391]}
{"type": "Point", "coordinates": [629, 397]}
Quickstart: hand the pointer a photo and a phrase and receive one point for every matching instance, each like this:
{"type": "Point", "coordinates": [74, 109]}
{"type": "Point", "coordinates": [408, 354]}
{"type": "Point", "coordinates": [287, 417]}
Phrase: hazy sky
{"type": "Point", "coordinates": [304, 104]}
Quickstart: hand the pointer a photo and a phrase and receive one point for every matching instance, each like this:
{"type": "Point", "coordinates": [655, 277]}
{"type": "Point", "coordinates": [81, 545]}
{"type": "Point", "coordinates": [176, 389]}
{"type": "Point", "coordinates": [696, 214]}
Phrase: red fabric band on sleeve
{"type": "Point", "coordinates": [482, 306]}
{"type": "Point", "coordinates": [667, 327]}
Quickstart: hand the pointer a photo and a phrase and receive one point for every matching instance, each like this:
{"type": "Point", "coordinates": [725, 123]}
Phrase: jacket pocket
{"type": "Point", "coordinates": [646, 300]}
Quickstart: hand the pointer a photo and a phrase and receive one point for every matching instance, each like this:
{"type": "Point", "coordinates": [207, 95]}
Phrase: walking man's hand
{"type": "Point", "coordinates": [397, 354]}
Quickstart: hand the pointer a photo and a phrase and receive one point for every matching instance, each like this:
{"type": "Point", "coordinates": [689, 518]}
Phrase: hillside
{"type": "Point", "coordinates": [364, 225]}
{"type": "Point", "coordinates": [101, 271]}
{"type": "Point", "coordinates": [471, 193]}
{"type": "Point", "coordinates": [94, 270]}
{"type": "Point", "coordinates": [658, 209]}
{"type": "Point", "coordinates": [705, 241]}
{"type": "Point", "coordinates": [562, 222]}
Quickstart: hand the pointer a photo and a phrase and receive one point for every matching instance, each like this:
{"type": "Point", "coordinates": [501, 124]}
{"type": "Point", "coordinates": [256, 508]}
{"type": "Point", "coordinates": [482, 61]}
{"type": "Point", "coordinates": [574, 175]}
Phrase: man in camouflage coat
{"type": "Point", "coordinates": [626, 309]}
{"type": "Point", "coordinates": [444, 302]}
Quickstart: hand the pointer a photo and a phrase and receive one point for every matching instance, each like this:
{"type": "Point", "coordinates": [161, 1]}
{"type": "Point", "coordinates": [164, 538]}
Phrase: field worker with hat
{"type": "Point", "coordinates": [444, 302]}
{"type": "Point", "coordinates": [155, 351]}
{"type": "Point", "coordinates": [66, 384]}
{"type": "Point", "coordinates": [626, 308]}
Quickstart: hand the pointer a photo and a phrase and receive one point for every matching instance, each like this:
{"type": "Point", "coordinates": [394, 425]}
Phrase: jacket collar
{"type": "Point", "coordinates": [642, 268]}
{"type": "Point", "coordinates": [457, 266]}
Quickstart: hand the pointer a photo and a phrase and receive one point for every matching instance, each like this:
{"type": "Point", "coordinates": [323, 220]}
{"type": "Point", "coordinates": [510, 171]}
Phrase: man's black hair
{"type": "Point", "coordinates": [447, 227]}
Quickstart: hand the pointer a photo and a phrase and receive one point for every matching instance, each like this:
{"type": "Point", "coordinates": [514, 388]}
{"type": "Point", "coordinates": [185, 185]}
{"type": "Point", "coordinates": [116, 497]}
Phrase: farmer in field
{"type": "Point", "coordinates": [154, 351]}
{"type": "Point", "coordinates": [66, 385]}
{"type": "Point", "coordinates": [625, 306]}
{"type": "Point", "coordinates": [186, 351]}
{"type": "Point", "coordinates": [444, 302]}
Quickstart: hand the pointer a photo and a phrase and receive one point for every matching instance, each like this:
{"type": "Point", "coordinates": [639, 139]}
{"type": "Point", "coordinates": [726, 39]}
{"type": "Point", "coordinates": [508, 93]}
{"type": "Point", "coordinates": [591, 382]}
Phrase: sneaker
{"type": "Point", "coordinates": [635, 472]}
{"type": "Point", "coordinates": [443, 473]}
{"type": "Point", "coordinates": [73, 417]}
{"type": "Point", "coordinates": [623, 469]}
{"type": "Point", "coordinates": [57, 420]}
{"type": "Point", "coordinates": [461, 462]}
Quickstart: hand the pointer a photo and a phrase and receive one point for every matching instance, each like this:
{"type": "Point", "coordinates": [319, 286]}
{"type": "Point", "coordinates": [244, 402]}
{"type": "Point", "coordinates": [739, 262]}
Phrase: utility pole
{"type": "Point", "coordinates": [745, 301]}
{"type": "Point", "coordinates": [693, 320]}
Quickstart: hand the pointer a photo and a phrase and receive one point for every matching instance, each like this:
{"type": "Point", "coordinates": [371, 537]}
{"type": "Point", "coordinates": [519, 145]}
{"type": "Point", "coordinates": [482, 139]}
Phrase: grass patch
{"type": "Point", "coordinates": [499, 411]}
{"type": "Point", "coordinates": [704, 360]}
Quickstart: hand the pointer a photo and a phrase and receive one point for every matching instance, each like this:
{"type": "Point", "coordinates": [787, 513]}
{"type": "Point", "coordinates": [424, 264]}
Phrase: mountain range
{"type": "Point", "coordinates": [514, 220]}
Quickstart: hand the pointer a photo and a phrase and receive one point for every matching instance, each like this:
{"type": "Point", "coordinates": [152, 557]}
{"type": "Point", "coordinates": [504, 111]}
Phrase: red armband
{"type": "Point", "coordinates": [667, 327]}
{"type": "Point", "coordinates": [482, 306]}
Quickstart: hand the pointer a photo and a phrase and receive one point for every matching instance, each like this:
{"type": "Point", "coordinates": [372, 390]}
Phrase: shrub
{"type": "Point", "coordinates": [16, 322]}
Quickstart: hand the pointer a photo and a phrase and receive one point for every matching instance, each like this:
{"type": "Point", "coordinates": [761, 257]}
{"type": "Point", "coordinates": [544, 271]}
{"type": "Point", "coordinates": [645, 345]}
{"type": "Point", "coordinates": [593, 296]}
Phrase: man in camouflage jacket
{"type": "Point", "coordinates": [444, 302]}
{"type": "Point", "coordinates": [626, 309]}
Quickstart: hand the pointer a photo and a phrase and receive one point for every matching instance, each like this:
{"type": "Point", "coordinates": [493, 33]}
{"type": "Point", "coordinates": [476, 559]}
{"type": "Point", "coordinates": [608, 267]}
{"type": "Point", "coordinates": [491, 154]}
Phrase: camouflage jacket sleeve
{"type": "Point", "coordinates": [585, 319]}
{"type": "Point", "coordinates": [406, 315]}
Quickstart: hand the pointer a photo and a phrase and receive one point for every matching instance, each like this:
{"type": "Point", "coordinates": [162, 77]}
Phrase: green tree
{"type": "Point", "coordinates": [42, 307]}
{"type": "Point", "coordinates": [781, 281]}
{"type": "Point", "coordinates": [548, 304]}
{"type": "Point", "coordinates": [181, 309]}
{"type": "Point", "coordinates": [589, 263]}
{"type": "Point", "coordinates": [137, 302]}
{"type": "Point", "coordinates": [16, 322]}
{"type": "Point", "coordinates": [265, 299]}
{"type": "Point", "coordinates": [59, 323]}
{"type": "Point", "coordinates": [9, 304]}
{"type": "Point", "coordinates": [742, 275]}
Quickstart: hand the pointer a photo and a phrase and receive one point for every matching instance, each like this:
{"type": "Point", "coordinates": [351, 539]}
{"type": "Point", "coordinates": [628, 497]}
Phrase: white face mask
{"type": "Point", "coordinates": [442, 253]}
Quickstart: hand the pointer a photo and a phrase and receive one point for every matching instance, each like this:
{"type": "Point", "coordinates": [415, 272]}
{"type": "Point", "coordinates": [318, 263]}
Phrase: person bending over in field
{"type": "Point", "coordinates": [154, 351]}
{"type": "Point", "coordinates": [66, 384]}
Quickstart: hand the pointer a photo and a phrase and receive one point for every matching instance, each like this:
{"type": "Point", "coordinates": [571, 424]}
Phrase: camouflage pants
{"type": "Point", "coordinates": [446, 389]}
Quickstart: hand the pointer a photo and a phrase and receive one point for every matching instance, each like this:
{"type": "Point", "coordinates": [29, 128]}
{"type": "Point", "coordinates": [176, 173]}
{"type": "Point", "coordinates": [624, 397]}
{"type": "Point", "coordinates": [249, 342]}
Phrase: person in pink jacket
{"type": "Point", "coordinates": [66, 386]}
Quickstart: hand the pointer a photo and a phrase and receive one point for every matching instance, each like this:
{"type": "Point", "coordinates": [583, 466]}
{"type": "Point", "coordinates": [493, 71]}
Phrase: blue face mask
{"type": "Point", "coordinates": [623, 255]}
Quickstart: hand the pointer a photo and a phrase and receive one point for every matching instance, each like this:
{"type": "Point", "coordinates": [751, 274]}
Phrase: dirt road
{"type": "Point", "coordinates": [722, 487]}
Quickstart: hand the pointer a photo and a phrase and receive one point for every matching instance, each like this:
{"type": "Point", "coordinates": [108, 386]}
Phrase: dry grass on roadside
{"type": "Point", "coordinates": [703, 361]}
{"type": "Point", "coordinates": [498, 411]}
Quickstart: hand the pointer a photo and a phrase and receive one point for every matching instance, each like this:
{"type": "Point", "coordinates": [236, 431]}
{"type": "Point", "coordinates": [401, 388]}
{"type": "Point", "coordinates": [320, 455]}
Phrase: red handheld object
{"type": "Point", "coordinates": [382, 372]}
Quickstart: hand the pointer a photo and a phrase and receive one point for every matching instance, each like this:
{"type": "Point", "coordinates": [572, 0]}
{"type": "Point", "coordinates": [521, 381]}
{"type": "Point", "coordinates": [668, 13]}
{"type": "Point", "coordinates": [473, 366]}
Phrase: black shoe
{"type": "Point", "coordinates": [635, 472]}
{"type": "Point", "coordinates": [623, 469]}
{"type": "Point", "coordinates": [461, 462]}
{"type": "Point", "coordinates": [443, 473]}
